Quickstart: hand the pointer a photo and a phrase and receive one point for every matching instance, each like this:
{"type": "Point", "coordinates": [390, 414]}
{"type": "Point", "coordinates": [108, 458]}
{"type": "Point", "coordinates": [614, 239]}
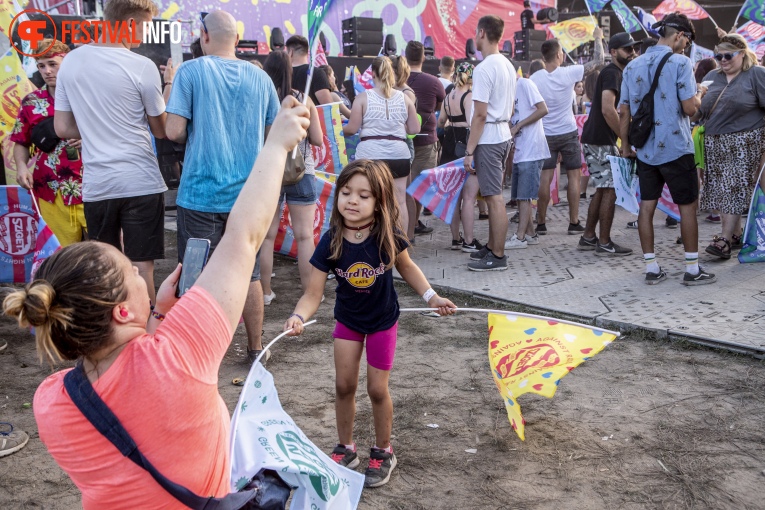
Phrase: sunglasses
{"type": "Point", "coordinates": [688, 36]}
{"type": "Point", "coordinates": [628, 49]}
{"type": "Point", "coordinates": [726, 56]}
{"type": "Point", "coordinates": [202, 16]}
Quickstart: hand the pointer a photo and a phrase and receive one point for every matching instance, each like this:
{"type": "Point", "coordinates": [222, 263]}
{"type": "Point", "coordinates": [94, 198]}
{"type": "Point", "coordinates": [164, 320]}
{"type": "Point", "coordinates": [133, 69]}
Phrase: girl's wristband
{"type": "Point", "coordinates": [428, 295]}
{"type": "Point", "coordinates": [157, 315]}
{"type": "Point", "coordinates": [298, 316]}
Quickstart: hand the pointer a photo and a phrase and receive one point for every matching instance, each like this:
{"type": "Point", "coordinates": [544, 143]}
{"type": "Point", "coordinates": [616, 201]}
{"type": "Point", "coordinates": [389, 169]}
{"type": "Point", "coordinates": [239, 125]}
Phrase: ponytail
{"type": "Point", "coordinates": [383, 70]}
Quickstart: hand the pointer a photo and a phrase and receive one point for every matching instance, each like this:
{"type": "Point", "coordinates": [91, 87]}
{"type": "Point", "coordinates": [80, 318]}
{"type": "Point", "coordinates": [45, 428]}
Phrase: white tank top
{"type": "Point", "coordinates": [384, 117]}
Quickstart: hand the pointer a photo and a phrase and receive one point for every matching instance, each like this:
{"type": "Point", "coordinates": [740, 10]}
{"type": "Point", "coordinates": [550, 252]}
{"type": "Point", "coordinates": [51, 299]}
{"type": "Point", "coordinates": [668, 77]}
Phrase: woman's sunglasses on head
{"type": "Point", "coordinates": [726, 56]}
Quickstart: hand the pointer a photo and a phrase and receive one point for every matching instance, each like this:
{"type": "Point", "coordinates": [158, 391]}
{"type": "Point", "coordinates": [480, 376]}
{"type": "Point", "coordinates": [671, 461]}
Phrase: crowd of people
{"type": "Point", "coordinates": [95, 302]}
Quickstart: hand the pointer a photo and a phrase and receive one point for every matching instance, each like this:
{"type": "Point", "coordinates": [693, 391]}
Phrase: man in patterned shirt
{"type": "Point", "coordinates": [56, 179]}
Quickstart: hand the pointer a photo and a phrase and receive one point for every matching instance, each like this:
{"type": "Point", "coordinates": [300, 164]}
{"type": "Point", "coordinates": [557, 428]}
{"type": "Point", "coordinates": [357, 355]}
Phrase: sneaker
{"type": "Point", "coordinates": [253, 355]}
{"type": "Point", "coordinates": [702, 278]}
{"type": "Point", "coordinates": [583, 195]}
{"type": "Point", "coordinates": [345, 457]}
{"type": "Point", "coordinates": [654, 278]}
{"type": "Point", "coordinates": [427, 212]}
{"type": "Point", "coordinates": [575, 228]}
{"type": "Point", "coordinates": [541, 229]}
{"type": "Point", "coordinates": [421, 228]}
{"type": "Point", "coordinates": [11, 440]}
{"type": "Point", "coordinates": [478, 255]}
{"type": "Point", "coordinates": [532, 240]}
{"type": "Point", "coordinates": [483, 216]}
{"type": "Point", "coordinates": [267, 298]}
{"type": "Point", "coordinates": [516, 217]}
{"type": "Point", "coordinates": [511, 204]}
{"type": "Point", "coordinates": [489, 263]}
{"type": "Point", "coordinates": [587, 244]}
{"type": "Point", "coordinates": [457, 244]}
{"type": "Point", "coordinates": [3, 345]}
{"type": "Point", "coordinates": [632, 224]}
{"type": "Point", "coordinates": [670, 222]}
{"type": "Point", "coordinates": [381, 464]}
{"type": "Point", "coordinates": [612, 250]}
{"type": "Point", "coordinates": [713, 218]}
{"type": "Point", "coordinates": [516, 244]}
{"type": "Point", "coordinates": [472, 247]}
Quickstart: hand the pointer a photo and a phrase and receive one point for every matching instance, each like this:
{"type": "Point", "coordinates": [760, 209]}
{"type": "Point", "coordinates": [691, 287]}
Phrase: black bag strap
{"type": "Point", "coordinates": [655, 82]}
{"type": "Point", "coordinates": [103, 419]}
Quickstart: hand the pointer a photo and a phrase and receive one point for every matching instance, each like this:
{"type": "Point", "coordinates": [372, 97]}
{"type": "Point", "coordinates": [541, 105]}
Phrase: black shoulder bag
{"type": "Point", "coordinates": [641, 125]}
{"type": "Point", "coordinates": [44, 136]}
{"type": "Point", "coordinates": [266, 491]}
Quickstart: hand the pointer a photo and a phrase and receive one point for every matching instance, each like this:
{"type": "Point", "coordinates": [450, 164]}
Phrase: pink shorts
{"type": "Point", "coordinates": [381, 345]}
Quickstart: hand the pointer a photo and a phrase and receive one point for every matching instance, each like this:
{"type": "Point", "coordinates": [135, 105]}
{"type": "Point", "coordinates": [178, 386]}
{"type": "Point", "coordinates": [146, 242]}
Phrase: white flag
{"type": "Point", "coordinates": [625, 184]}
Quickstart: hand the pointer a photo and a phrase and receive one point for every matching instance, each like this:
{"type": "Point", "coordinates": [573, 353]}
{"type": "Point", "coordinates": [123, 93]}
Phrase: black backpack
{"type": "Point", "coordinates": [642, 122]}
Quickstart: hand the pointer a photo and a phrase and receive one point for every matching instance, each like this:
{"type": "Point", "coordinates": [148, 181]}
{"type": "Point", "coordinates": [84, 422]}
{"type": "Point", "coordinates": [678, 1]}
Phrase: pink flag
{"type": "Point", "coordinates": [687, 7]}
{"type": "Point", "coordinates": [320, 59]}
{"type": "Point", "coordinates": [554, 198]}
{"type": "Point", "coordinates": [439, 189]}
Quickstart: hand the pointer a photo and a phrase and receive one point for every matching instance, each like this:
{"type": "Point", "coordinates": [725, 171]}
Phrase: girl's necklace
{"type": "Point", "coordinates": [359, 234]}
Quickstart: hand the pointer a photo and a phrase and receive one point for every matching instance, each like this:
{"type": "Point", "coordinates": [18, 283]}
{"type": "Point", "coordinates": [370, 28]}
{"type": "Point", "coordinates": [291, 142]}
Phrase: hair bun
{"type": "Point", "coordinates": [31, 306]}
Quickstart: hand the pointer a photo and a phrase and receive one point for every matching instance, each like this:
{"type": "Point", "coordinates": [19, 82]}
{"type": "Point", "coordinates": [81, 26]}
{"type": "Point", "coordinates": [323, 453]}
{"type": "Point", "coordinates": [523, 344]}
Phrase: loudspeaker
{"type": "Point", "coordinates": [470, 49]}
{"type": "Point", "coordinates": [530, 35]}
{"type": "Point", "coordinates": [507, 49]}
{"type": "Point", "coordinates": [363, 37]}
{"type": "Point", "coordinates": [367, 24]}
{"type": "Point", "coordinates": [246, 48]}
{"type": "Point", "coordinates": [361, 50]}
{"type": "Point", "coordinates": [550, 13]}
{"type": "Point", "coordinates": [323, 41]}
{"type": "Point", "coordinates": [430, 47]}
{"type": "Point", "coordinates": [390, 48]}
{"type": "Point", "coordinates": [277, 39]}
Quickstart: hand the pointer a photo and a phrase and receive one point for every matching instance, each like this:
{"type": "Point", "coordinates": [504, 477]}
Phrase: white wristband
{"type": "Point", "coordinates": [428, 295]}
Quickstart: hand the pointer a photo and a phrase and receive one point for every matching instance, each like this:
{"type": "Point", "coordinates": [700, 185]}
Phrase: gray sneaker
{"type": "Point", "coordinates": [345, 457]}
{"type": "Point", "coordinates": [611, 250]}
{"type": "Point", "coordinates": [381, 464]}
{"type": "Point", "coordinates": [489, 263]}
{"type": "Point", "coordinates": [11, 440]}
{"type": "Point", "coordinates": [654, 278]}
{"type": "Point", "coordinates": [531, 240]}
{"type": "Point", "coordinates": [478, 255]}
{"type": "Point", "coordinates": [587, 244]}
{"type": "Point", "coordinates": [702, 278]}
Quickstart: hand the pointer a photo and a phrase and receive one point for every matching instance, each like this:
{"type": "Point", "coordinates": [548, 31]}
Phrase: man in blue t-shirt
{"type": "Point", "coordinates": [221, 107]}
{"type": "Point", "coordinates": [667, 157]}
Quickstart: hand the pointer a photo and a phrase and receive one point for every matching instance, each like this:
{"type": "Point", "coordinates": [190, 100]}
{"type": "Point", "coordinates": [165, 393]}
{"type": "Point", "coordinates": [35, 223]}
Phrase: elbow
{"type": "Point", "coordinates": [172, 135]}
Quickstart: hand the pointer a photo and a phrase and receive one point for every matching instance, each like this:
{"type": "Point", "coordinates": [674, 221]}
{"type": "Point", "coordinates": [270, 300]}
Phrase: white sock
{"type": "Point", "coordinates": [389, 449]}
{"type": "Point", "coordinates": [692, 262]}
{"type": "Point", "coordinates": [650, 263]}
{"type": "Point", "coordinates": [351, 447]}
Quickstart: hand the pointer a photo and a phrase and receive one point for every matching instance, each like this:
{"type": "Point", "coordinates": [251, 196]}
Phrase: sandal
{"type": "Point", "coordinates": [738, 242]}
{"type": "Point", "coordinates": [238, 381]}
{"type": "Point", "coordinates": [714, 249]}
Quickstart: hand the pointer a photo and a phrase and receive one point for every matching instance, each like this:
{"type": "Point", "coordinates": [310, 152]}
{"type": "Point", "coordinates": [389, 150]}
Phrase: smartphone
{"type": "Point", "coordinates": [194, 260]}
{"type": "Point", "coordinates": [707, 83]}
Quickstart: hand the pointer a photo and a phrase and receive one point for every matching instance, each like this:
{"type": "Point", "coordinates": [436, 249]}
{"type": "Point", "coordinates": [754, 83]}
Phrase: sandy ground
{"type": "Point", "coordinates": [645, 424]}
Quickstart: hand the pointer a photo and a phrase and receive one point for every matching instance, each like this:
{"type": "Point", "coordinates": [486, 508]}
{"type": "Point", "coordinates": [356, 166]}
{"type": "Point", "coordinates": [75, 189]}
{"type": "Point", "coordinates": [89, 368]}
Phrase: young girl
{"type": "Point", "coordinates": [364, 242]}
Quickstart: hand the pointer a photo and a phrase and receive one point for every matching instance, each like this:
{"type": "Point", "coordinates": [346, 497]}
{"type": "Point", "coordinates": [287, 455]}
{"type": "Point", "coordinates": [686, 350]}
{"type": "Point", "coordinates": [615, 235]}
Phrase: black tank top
{"type": "Point", "coordinates": [457, 118]}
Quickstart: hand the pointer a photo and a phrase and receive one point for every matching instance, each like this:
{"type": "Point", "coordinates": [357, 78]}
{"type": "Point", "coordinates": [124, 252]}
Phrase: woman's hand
{"type": "Point", "coordinates": [24, 178]}
{"type": "Point", "coordinates": [291, 125]}
{"type": "Point", "coordinates": [295, 324]}
{"type": "Point", "coordinates": [445, 307]}
{"type": "Point", "coordinates": [166, 293]}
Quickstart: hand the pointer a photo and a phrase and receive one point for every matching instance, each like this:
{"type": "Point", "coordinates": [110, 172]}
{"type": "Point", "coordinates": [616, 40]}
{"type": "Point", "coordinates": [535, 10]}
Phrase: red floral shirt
{"type": "Point", "coordinates": [53, 171]}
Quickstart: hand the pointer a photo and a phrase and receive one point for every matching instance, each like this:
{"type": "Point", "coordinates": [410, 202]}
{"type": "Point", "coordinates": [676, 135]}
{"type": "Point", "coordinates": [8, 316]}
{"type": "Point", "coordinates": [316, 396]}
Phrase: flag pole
{"type": "Point", "coordinates": [590, 11]}
{"type": "Point", "coordinates": [307, 86]}
{"type": "Point", "coordinates": [758, 182]}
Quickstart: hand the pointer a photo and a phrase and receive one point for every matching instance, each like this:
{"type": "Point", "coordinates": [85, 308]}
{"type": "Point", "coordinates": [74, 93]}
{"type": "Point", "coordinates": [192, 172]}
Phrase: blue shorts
{"type": "Point", "coordinates": [302, 193]}
{"type": "Point", "coordinates": [525, 181]}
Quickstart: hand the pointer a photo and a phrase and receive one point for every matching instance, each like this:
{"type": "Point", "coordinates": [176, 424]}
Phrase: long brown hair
{"type": "Point", "coordinates": [387, 221]}
{"type": "Point", "coordinates": [70, 302]}
{"type": "Point", "coordinates": [382, 68]}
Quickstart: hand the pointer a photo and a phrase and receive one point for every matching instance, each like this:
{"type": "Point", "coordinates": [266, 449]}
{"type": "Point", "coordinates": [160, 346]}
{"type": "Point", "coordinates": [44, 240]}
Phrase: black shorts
{"type": "Point", "coordinates": [679, 175]}
{"type": "Point", "coordinates": [140, 220]}
{"type": "Point", "coordinates": [398, 167]}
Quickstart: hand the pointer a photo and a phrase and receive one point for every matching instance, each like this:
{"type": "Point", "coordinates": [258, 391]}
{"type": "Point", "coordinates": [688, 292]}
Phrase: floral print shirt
{"type": "Point", "coordinates": [53, 171]}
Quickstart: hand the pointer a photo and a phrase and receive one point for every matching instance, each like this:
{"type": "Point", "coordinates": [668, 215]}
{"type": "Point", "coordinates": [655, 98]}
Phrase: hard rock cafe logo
{"type": "Point", "coordinates": [448, 181]}
{"type": "Point", "coordinates": [17, 233]}
{"type": "Point", "coordinates": [537, 356]}
{"type": "Point", "coordinates": [323, 479]}
{"type": "Point", "coordinates": [361, 275]}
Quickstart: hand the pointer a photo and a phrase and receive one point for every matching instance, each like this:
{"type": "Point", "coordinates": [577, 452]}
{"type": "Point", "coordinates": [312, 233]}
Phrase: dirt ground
{"type": "Point", "coordinates": [645, 424]}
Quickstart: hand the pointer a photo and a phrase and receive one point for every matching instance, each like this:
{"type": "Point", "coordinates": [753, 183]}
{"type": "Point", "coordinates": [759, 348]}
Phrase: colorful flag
{"type": "Point", "coordinates": [699, 53]}
{"type": "Point", "coordinates": [754, 232]}
{"type": "Point", "coordinates": [14, 86]}
{"type": "Point", "coordinates": [580, 120]}
{"type": "Point", "coordinates": [320, 59]}
{"type": "Point", "coordinates": [753, 10]}
{"type": "Point", "coordinates": [285, 238]}
{"type": "Point", "coordinates": [667, 206]}
{"type": "Point", "coordinates": [351, 142]}
{"type": "Point", "coordinates": [330, 157]}
{"type": "Point", "coordinates": [438, 189]}
{"type": "Point", "coordinates": [554, 197]}
{"type": "Point", "coordinates": [647, 20]}
{"type": "Point", "coordinates": [532, 355]}
{"type": "Point", "coordinates": [25, 239]}
{"type": "Point", "coordinates": [596, 5]}
{"type": "Point", "coordinates": [362, 82]}
{"type": "Point", "coordinates": [625, 183]}
{"type": "Point", "coordinates": [687, 7]}
{"type": "Point", "coordinates": [264, 436]}
{"type": "Point", "coordinates": [574, 32]}
{"type": "Point", "coordinates": [519, 72]}
{"type": "Point", "coordinates": [751, 31]}
{"type": "Point", "coordinates": [317, 9]}
{"type": "Point", "coordinates": [629, 21]}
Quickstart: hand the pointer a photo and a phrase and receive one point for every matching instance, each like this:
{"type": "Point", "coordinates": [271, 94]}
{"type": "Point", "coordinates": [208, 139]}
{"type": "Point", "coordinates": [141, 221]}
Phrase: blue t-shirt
{"type": "Point", "coordinates": [228, 104]}
{"type": "Point", "coordinates": [671, 136]}
{"type": "Point", "coordinates": [366, 299]}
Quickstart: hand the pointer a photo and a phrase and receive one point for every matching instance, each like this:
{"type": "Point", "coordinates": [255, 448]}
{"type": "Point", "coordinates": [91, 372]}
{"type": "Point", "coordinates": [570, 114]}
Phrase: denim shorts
{"type": "Point", "coordinates": [204, 225]}
{"type": "Point", "coordinates": [302, 193]}
{"type": "Point", "coordinates": [525, 185]}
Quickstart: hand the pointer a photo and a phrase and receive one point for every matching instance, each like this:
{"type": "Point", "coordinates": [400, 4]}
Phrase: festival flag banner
{"type": "Point", "coordinates": [647, 20]}
{"type": "Point", "coordinates": [596, 5]}
{"type": "Point", "coordinates": [753, 10]}
{"type": "Point", "coordinates": [554, 198]}
{"type": "Point", "coordinates": [751, 31]}
{"type": "Point", "coordinates": [629, 21]}
{"type": "Point", "coordinates": [754, 232]}
{"type": "Point", "coordinates": [264, 436]}
{"type": "Point", "coordinates": [285, 238]}
{"type": "Point", "coordinates": [667, 206]}
{"type": "Point", "coordinates": [438, 189]}
{"type": "Point", "coordinates": [362, 82]}
{"type": "Point", "coordinates": [699, 53]}
{"type": "Point", "coordinates": [625, 184]}
{"type": "Point", "coordinates": [574, 32]}
{"type": "Point", "coordinates": [330, 157]}
{"type": "Point", "coordinates": [25, 239]}
{"type": "Point", "coordinates": [320, 59]}
{"type": "Point", "coordinates": [14, 86]}
{"type": "Point", "coordinates": [351, 142]}
{"type": "Point", "coordinates": [317, 9]}
{"type": "Point", "coordinates": [580, 120]}
{"type": "Point", "coordinates": [532, 355]}
{"type": "Point", "coordinates": [687, 7]}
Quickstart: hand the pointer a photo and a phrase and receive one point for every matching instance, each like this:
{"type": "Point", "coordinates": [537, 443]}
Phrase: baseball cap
{"type": "Point", "coordinates": [622, 40]}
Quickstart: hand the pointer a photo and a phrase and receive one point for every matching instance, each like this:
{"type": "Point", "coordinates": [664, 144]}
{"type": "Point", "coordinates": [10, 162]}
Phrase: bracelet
{"type": "Point", "coordinates": [298, 316]}
{"type": "Point", "coordinates": [468, 154]}
{"type": "Point", "coordinates": [428, 295]}
{"type": "Point", "coordinates": [157, 315]}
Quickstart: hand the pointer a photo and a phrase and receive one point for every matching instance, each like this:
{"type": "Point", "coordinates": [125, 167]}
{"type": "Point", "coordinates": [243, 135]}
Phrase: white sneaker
{"type": "Point", "coordinates": [531, 239]}
{"type": "Point", "coordinates": [514, 243]}
{"type": "Point", "coordinates": [267, 298]}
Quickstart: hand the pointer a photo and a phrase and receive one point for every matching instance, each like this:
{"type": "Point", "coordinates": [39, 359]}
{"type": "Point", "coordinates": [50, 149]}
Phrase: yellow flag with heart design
{"type": "Point", "coordinates": [531, 355]}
